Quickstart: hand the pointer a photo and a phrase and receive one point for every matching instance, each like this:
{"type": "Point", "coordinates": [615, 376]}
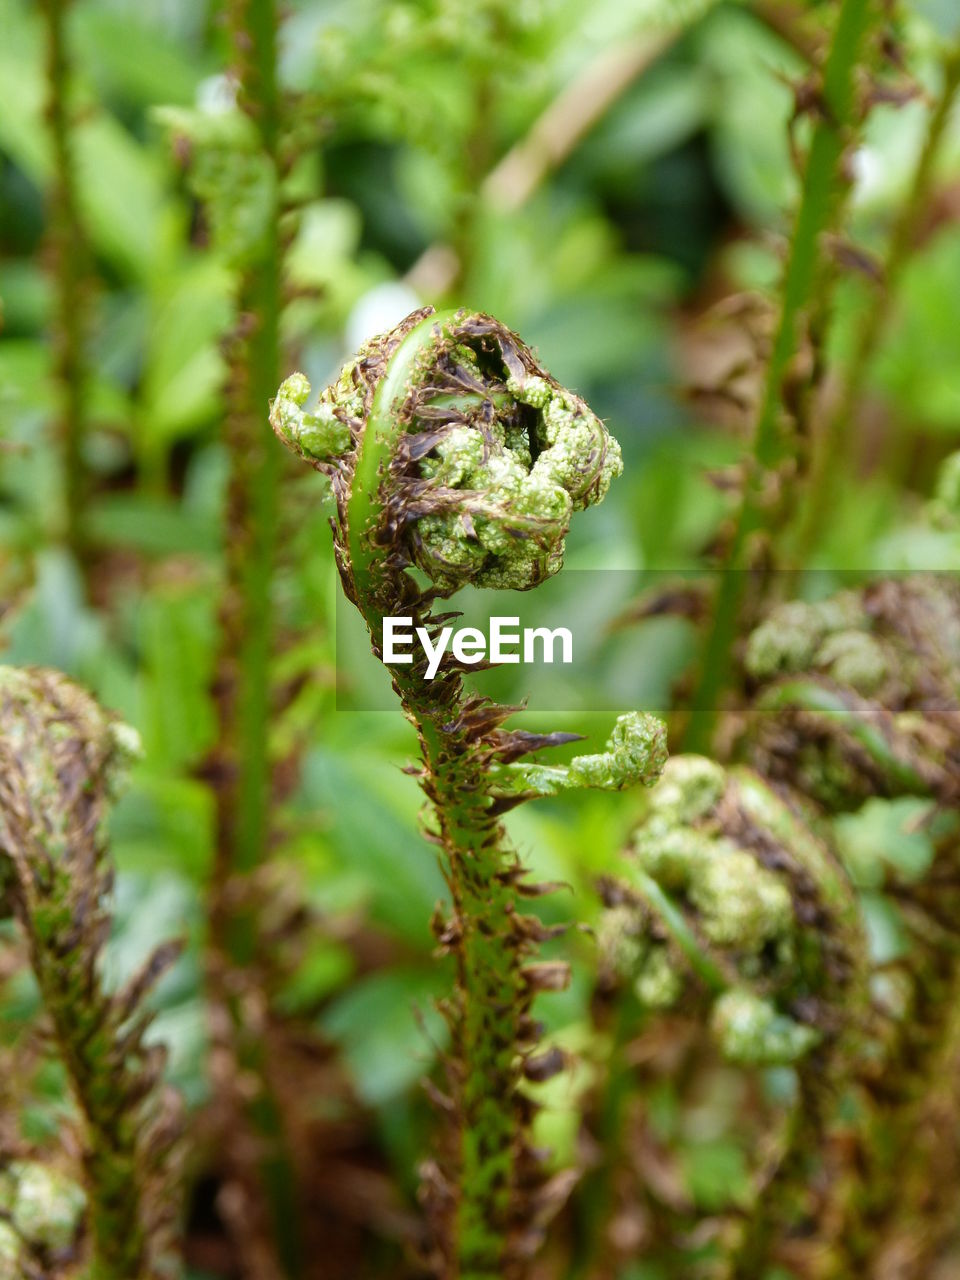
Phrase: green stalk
{"type": "Point", "coordinates": [244, 793]}
{"type": "Point", "coordinates": [70, 264]}
{"type": "Point", "coordinates": [822, 194]}
{"type": "Point", "coordinates": [251, 537]}
{"type": "Point", "coordinates": [493, 990]}
{"type": "Point", "coordinates": [832, 458]}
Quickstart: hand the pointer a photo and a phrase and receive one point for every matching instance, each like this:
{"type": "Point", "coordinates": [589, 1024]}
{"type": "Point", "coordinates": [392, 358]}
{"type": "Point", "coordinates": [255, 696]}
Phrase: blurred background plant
{"type": "Point", "coordinates": [198, 198]}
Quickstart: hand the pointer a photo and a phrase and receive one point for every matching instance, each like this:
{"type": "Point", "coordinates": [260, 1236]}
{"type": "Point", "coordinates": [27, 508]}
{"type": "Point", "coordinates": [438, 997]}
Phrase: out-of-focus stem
{"type": "Point", "coordinates": [822, 192]}
{"type": "Point", "coordinates": [69, 256]}
{"type": "Point", "coordinates": [251, 541]}
{"type": "Point", "coordinates": [833, 447]}
{"type": "Point", "coordinates": [244, 776]}
{"type": "Point", "coordinates": [926, 1188]}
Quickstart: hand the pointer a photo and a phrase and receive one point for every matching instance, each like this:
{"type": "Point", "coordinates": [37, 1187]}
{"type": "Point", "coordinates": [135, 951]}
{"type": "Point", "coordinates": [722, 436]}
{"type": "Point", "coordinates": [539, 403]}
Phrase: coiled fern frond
{"type": "Point", "coordinates": [859, 695]}
{"type": "Point", "coordinates": [60, 759]}
{"type": "Point", "coordinates": [456, 459]}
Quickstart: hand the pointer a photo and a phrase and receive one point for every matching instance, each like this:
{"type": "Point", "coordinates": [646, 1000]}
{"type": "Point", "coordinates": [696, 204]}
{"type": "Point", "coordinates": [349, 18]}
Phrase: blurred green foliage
{"type": "Point", "coordinates": [622, 266]}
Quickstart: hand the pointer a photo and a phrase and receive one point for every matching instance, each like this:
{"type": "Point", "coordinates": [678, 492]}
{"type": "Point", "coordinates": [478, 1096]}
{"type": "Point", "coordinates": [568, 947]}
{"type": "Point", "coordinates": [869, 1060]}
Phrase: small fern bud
{"type": "Point", "coordinates": [751, 1031]}
{"type": "Point", "coordinates": [635, 754]}
{"type": "Point", "coordinates": [45, 1206]}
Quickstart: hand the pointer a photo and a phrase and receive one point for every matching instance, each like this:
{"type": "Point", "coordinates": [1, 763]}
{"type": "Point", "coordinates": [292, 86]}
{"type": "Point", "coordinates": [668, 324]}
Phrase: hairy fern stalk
{"type": "Point", "coordinates": [59, 758]}
{"type": "Point", "coordinates": [451, 451]}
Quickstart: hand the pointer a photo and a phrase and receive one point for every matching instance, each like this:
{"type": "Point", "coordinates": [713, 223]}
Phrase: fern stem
{"type": "Point", "coordinates": [58, 756]}
{"type": "Point", "coordinates": [822, 188]}
{"type": "Point", "coordinates": [70, 265]}
{"type": "Point", "coordinates": [832, 453]}
{"type": "Point", "coordinates": [491, 1000]}
{"type": "Point", "coordinates": [493, 996]}
{"type": "Point", "coordinates": [244, 776]}
{"type": "Point", "coordinates": [251, 540]}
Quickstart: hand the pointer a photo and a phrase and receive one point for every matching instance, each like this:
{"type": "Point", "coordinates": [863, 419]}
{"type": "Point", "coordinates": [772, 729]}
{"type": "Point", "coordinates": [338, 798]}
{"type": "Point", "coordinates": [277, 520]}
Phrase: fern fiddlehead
{"type": "Point", "coordinates": [859, 695]}
{"type": "Point", "coordinates": [59, 758]}
{"type": "Point", "coordinates": [733, 912]}
{"type": "Point", "coordinates": [734, 904]}
{"type": "Point", "coordinates": [452, 452]}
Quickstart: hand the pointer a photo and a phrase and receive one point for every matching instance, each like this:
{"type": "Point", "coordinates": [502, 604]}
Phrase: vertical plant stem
{"type": "Point", "coordinates": [492, 998]}
{"type": "Point", "coordinates": [69, 256]}
{"type": "Point", "coordinates": [251, 548]}
{"type": "Point", "coordinates": [244, 781]}
{"type": "Point", "coordinates": [822, 193]}
{"type": "Point", "coordinates": [485, 933]}
{"type": "Point", "coordinates": [832, 457]}
{"type": "Point", "coordinates": [77, 1008]}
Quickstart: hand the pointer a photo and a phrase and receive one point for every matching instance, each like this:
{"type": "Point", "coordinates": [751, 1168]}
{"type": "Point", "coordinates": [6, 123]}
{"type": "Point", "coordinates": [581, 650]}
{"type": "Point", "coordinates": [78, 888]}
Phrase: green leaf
{"type": "Point", "coordinates": [378, 1026]}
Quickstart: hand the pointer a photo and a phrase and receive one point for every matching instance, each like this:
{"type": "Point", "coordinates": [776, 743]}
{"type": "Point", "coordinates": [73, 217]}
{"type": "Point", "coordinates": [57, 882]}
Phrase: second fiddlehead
{"type": "Point", "coordinates": [59, 758]}
{"type": "Point", "coordinates": [733, 912]}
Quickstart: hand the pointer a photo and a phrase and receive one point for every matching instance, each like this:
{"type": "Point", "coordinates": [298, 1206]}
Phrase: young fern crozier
{"type": "Point", "coordinates": [59, 758]}
{"type": "Point", "coordinates": [450, 450]}
{"type": "Point", "coordinates": [731, 911]}
{"type": "Point", "coordinates": [859, 695]}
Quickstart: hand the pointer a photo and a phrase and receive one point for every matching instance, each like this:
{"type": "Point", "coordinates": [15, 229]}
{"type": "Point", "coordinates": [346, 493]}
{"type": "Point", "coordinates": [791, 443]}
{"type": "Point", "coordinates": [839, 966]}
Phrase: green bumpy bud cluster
{"type": "Point", "coordinates": [45, 1207]}
{"type": "Point", "coordinates": [751, 1031]}
{"type": "Point", "coordinates": [320, 434]}
{"type": "Point", "coordinates": [860, 695]}
{"type": "Point", "coordinates": [41, 1210]}
{"type": "Point", "coordinates": [635, 754]}
{"type": "Point", "coordinates": [829, 636]}
{"type": "Point", "coordinates": [491, 459]}
{"type": "Point", "coordinates": [732, 908]}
